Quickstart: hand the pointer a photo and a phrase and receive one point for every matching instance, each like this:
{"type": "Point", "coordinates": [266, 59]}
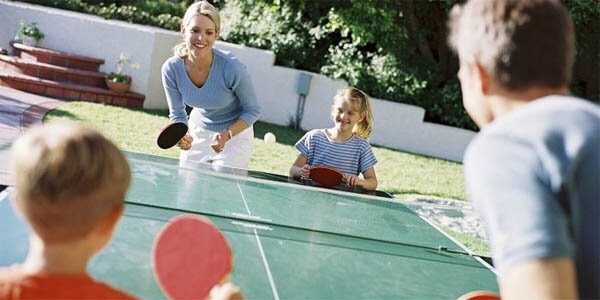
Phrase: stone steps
{"type": "Point", "coordinates": [53, 72]}
{"type": "Point", "coordinates": [69, 91]}
{"type": "Point", "coordinates": [61, 75]}
{"type": "Point", "coordinates": [57, 58]}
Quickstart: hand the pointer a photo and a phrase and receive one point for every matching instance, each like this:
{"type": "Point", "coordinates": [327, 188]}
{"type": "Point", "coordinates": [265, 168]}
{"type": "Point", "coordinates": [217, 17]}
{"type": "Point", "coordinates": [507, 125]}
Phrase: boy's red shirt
{"type": "Point", "coordinates": [16, 285]}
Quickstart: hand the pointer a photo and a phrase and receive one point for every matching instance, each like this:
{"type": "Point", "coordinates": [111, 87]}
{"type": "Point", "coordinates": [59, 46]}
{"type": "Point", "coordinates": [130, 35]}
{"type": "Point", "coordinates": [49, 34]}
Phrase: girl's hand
{"type": "Point", "coordinates": [219, 141]}
{"type": "Point", "coordinates": [350, 180]}
{"type": "Point", "coordinates": [186, 142]}
{"type": "Point", "coordinates": [305, 171]}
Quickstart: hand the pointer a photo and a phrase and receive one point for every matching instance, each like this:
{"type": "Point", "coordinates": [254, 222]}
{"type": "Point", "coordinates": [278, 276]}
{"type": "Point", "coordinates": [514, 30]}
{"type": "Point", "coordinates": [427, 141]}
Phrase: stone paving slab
{"type": "Point", "coordinates": [18, 110]}
{"type": "Point", "coordinates": [452, 214]}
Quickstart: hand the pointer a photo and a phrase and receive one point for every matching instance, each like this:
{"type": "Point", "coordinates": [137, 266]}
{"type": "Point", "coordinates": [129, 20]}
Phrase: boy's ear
{"type": "Point", "coordinates": [14, 201]}
{"type": "Point", "coordinates": [108, 224]}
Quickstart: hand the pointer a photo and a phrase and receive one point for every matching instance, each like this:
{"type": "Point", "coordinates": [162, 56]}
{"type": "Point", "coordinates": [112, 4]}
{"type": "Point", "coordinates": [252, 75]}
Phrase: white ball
{"type": "Point", "coordinates": [270, 138]}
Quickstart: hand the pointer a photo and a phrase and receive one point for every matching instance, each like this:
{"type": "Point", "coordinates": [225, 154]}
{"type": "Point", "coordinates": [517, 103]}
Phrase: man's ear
{"type": "Point", "coordinates": [484, 78]}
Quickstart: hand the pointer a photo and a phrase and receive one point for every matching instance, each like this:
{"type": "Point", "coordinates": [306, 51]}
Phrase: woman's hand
{"type": "Point", "coordinates": [219, 141]}
{"type": "Point", "coordinates": [186, 142]}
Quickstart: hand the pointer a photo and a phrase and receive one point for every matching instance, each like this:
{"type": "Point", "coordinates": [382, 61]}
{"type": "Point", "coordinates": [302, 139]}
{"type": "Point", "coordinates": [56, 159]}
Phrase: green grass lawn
{"type": "Point", "coordinates": [401, 174]}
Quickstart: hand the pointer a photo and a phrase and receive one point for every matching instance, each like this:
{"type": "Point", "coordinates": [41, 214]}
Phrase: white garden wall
{"type": "Point", "coordinates": [397, 125]}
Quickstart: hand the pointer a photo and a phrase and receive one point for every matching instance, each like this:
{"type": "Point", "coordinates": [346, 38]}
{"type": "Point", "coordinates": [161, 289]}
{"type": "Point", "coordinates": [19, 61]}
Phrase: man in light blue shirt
{"type": "Point", "coordinates": [533, 172]}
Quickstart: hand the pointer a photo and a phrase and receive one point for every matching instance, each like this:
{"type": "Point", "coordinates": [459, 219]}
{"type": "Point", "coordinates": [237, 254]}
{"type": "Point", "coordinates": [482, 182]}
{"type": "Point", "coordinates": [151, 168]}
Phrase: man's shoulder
{"type": "Point", "coordinates": [544, 139]}
{"type": "Point", "coordinates": [552, 109]}
{"type": "Point", "coordinates": [566, 106]}
{"type": "Point", "coordinates": [570, 100]}
{"type": "Point", "coordinates": [545, 118]}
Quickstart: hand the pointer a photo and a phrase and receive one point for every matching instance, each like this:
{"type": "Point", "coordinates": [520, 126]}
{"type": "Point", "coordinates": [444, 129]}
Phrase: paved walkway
{"type": "Point", "coordinates": [450, 214]}
{"type": "Point", "coordinates": [18, 110]}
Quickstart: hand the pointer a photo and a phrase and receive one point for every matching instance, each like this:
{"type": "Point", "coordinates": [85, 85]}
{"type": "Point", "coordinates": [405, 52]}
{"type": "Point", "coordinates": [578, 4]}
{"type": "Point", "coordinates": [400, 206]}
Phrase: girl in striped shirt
{"type": "Point", "coordinates": [343, 146]}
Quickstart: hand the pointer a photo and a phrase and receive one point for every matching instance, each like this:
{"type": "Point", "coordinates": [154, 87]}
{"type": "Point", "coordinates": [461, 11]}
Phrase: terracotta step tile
{"type": "Point", "coordinates": [69, 91]}
{"type": "Point", "coordinates": [58, 58]}
{"type": "Point", "coordinates": [52, 72]}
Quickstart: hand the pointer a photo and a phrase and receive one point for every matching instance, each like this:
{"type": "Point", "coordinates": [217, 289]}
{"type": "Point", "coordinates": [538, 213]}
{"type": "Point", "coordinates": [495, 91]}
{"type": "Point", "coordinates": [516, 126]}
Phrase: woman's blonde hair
{"type": "Point", "coordinates": [360, 101]}
{"type": "Point", "coordinates": [198, 8]}
{"type": "Point", "coordinates": [68, 178]}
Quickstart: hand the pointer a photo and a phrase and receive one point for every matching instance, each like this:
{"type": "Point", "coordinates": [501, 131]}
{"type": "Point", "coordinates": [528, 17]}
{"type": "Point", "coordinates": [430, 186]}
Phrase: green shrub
{"type": "Point", "coordinates": [30, 30]}
{"type": "Point", "coordinates": [394, 50]}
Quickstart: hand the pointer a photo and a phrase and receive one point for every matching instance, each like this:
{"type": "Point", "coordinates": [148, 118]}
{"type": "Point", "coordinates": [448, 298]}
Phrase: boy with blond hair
{"type": "Point", "coordinates": [532, 172]}
{"type": "Point", "coordinates": [70, 185]}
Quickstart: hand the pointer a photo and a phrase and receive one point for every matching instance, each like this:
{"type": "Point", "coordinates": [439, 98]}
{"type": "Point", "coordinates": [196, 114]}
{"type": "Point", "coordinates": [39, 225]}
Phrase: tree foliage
{"type": "Point", "coordinates": [390, 49]}
{"type": "Point", "coordinates": [394, 50]}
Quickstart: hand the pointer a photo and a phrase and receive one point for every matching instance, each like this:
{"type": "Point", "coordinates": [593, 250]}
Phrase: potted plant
{"type": "Point", "coordinates": [119, 81]}
{"type": "Point", "coordinates": [29, 34]}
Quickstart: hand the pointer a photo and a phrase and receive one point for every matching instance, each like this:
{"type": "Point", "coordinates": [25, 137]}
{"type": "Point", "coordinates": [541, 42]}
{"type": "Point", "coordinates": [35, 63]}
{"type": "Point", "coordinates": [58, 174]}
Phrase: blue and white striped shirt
{"type": "Point", "coordinates": [227, 94]}
{"type": "Point", "coordinates": [352, 156]}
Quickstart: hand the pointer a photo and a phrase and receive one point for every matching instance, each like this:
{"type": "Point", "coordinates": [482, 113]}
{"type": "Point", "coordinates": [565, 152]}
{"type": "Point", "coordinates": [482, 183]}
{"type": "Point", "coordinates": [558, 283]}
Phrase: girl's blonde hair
{"type": "Point", "coordinates": [198, 8]}
{"type": "Point", "coordinates": [360, 101]}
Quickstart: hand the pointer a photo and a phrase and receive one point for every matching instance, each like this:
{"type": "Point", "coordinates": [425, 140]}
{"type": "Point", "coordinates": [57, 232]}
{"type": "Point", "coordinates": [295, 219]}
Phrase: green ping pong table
{"type": "Point", "coordinates": [290, 241]}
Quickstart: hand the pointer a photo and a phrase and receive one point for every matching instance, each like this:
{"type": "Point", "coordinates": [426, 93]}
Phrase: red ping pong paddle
{"type": "Point", "coordinates": [171, 134]}
{"type": "Point", "coordinates": [480, 295]}
{"type": "Point", "coordinates": [190, 257]}
{"type": "Point", "coordinates": [326, 176]}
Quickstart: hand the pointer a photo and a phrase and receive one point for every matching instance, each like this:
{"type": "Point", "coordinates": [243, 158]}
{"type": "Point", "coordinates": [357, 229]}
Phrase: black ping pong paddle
{"type": "Point", "coordinates": [171, 134]}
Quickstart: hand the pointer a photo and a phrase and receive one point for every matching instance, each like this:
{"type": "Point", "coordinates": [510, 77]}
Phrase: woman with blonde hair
{"type": "Point", "coordinates": [217, 87]}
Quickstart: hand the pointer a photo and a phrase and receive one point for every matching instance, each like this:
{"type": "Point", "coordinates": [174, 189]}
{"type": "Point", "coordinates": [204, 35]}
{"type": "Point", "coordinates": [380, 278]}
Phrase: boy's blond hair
{"type": "Point", "coordinates": [360, 101]}
{"type": "Point", "coordinates": [68, 178]}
